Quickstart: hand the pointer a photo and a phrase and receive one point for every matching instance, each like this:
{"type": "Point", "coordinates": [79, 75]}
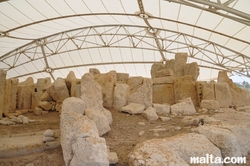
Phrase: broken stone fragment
{"type": "Point", "coordinates": [133, 108]}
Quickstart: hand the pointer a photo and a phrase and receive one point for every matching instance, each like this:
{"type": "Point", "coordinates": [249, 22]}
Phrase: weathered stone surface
{"type": "Point", "coordinates": [190, 121]}
{"type": "Point", "coordinates": [164, 118]}
{"type": "Point", "coordinates": [76, 105]}
{"type": "Point", "coordinates": [58, 90]}
{"type": "Point", "coordinates": [210, 104]}
{"type": "Point", "coordinates": [175, 150]}
{"type": "Point", "coordinates": [223, 139]}
{"type": "Point", "coordinates": [155, 68]}
{"type": "Point", "coordinates": [122, 77]}
{"type": "Point", "coordinates": [90, 151]}
{"type": "Point", "coordinates": [46, 97]}
{"type": "Point", "coordinates": [78, 90]}
{"type": "Point", "coordinates": [94, 71]}
{"type": "Point", "coordinates": [143, 94]}
{"type": "Point", "coordinates": [90, 91]}
{"type": "Point", "coordinates": [133, 108]}
{"type": "Point", "coordinates": [162, 109]}
{"type": "Point", "coordinates": [80, 140]}
{"type": "Point", "coordinates": [100, 120]}
{"type": "Point", "coordinates": [163, 93]}
{"type": "Point", "coordinates": [164, 73]}
{"type": "Point", "coordinates": [25, 120]}
{"type": "Point", "coordinates": [42, 84]}
{"type": "Point", "coordinates": [242, 134]}
{"type": "Point", "coordinates": [240, 96]}
{"type": "Point", "coordinates": [71, 81]}
{"type": "Point", "coordinates": [185, 107]}
{"type": "Point", "coordinates": [184, 87]}
{"type": "Point", "coordinates": [121, 95]}
{"type": "Point", "coordinates": [49, 133]}
{"type": "Point", "coordinates": [180, 62]}
{"type": "Point", "coordinates": [45, 105]}
{"type": "Point", "coordinates": [163, 80]}
{"type": "Point", "coordinates": [223, 94]}
{"type": "Point", "coordinates": [134, 83]}
{"type": "Point", "coordinates": [10, 95]}
{"type": "Point", "coordinates": [37, 111]}
{"type": "Point", "coordinates": [150, 114]}
{"type": "Point", "coordinates": [208, 91]}
{"type": "Point", "coordinates": [48, 139]}
{"type": "Point", "coordinates": [3, 74]}
{"type": "Point", "coordinates": [107, 82]}
{"type": "Point", "coordinates": [24, 93]}
{"type": "Point", "coordinates": [192, 69]}
{"type": "Point", "coordinates": [92, 98]}
{"type": "Point", "coordinates": [113, 159]}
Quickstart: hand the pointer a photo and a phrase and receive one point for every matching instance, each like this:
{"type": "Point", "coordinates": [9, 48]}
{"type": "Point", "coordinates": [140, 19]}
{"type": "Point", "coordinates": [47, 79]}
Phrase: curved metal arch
{"type": "Point", "coordinates": [128, 36]}
{"type": "Point", "coordinates": [215, 8]}
{"type": "Point", "coordinates": [7, 33]}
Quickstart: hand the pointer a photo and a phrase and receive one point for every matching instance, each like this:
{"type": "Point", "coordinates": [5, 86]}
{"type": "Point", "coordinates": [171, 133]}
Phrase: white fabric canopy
{"type": "Point", "coordinates": [49, 38]}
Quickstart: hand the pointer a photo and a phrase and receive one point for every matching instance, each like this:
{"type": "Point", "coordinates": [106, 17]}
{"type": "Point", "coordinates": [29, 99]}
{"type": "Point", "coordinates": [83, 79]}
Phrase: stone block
{"type": "Point", "coordinates": [185, 87]}
{"type": "Point", "coordinates": [208, 91]}
{"type": "Point", "coordinates": [192, 69]}
{"type": "Point", "coordinates": [121, 95]}
{"type": "Point", "coordinates": [150, 114]}
{"type": "Point", "coordinates": [133, 108]}
{"type": "Point", "coordinates": [163, 80]}
{"type": "Point", "coordinates": [3, 74]}
{"type": "Point", "coordinates": [122, 77]}
{"type": "Point", "coordinates": [156, 67]}
{"type": "Point", "coordinates": [163, 93]}
{"type": "Point", "coordinates": [223, 94]}
{"type": "Point", "coordinates": [164, 73]}
{"type": "Point", "coordinates": [24, 93]}
{"type": "Point", "coordinates": [185, 107]}
{"type": "Point", "coordinates": [210, 104]}
{"type": "Point", "coordinates": [58, 90]}
{"type": "Point", "coordinates": [180, 62]}
{"type": "Point", "coordinates": [107, 82]}
{"type": "Point", "coordinates": [94, 71]}
{"type": "Point", "coordinates": [134, 83]}
{"type": "Point", "coordinates": [162, 109]}
{"type": "Point", "coordinates": [42, 84]}
{"type": "Point", "coordinates": [100, 120]}
{"type": "Point", "coordinates": [143, 95]}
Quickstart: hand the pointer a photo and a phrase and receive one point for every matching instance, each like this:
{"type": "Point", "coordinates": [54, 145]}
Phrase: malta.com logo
{"type": "Point", "coordinates": [210, 159]}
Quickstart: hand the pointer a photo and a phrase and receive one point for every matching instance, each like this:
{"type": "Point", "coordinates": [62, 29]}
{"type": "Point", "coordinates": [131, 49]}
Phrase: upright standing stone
{"type": "Point", "coordinates": [40, 89]}
{"type": "Point", "coordinates": [192, 69]}
{"type": "Point", "coordinates": [208, 91]}
{"type": "Point", "coordinates": [58, 90]}
{"type": "Point", "coordinates": [10, 95]}
{"type": "Point", "coordinates": [184, 87]}
{"type": "Point", "coordinates": [223, 94]}
{"type": "Point", "coordinates": [3, 74]}
{"type": "Point", "coordinates": [180, 62]}
{"type": "Point", "coordinates": [155, 68]}
{"type": "Point", "coordinates": [91, 91]}
{"type": "Point", "coordinates": [122, 78]}
{"type": "Point", "coordinates": [25, 90]}
{"type": "Point", "coordinates": [143, 95]}
{"type": "Point", "coordinates": [240, 96]}
{"type": "Point", "coordinates": [107, 82]}
{"type": "Point", "coordinates": [121, 95]}
{"type": "Point", "coordinates": [163, 94]}
{"type": "Point", "coordinates": [134, 83]}
{"type": "Point", "coordinates": [71, 82]}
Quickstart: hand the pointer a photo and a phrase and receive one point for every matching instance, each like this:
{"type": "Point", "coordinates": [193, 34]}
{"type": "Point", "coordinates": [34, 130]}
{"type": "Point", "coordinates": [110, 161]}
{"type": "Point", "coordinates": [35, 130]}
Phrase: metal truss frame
{"type": "Point", "coordinates": [42, 48]}
{"type": "Point", "coordinates": [217, 8]}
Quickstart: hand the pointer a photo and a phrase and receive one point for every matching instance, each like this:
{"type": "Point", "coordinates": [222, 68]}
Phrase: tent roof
{"type": "Point", "coordinates": [50, 38]}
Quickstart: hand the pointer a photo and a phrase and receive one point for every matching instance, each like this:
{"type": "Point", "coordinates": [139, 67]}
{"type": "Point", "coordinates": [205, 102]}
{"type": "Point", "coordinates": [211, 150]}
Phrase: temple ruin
{"type": "Point", "coordinates": [85, 106]}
